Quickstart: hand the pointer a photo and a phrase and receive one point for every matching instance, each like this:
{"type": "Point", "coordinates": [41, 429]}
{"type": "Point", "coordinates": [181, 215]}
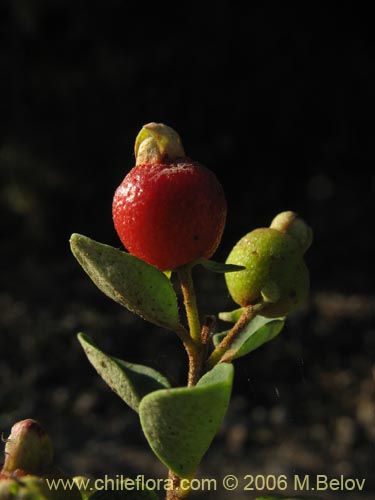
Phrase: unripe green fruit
{"type": "Point", "coordinates": [275, 272]}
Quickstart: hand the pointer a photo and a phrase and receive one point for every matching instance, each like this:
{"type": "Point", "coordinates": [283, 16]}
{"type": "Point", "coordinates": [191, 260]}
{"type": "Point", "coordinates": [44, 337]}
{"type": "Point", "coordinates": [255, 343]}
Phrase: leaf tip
{"type": "Point", "coordinates": [83, 338]}
{"type": "Point", "coordinates": [75, 242]}
{"type": "Point", "coordinates": [74, 238]}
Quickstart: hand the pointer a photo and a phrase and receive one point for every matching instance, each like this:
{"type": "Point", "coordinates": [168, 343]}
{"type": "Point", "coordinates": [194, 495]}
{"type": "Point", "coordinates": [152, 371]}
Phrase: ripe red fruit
{"type": "Point", "coordinates": [168, 210]}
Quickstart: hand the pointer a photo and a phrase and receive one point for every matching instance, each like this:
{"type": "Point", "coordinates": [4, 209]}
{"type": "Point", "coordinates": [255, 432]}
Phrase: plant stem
{"type": "Point", "coordinates": [194, 345]}
{"type": "Point", "coordinates": [173, 493]}
{"type": "Point", "coordinates": [196, 350]}
{"type": "Point", "coordinates": [221, 353]}
{"type": "Point", "coordinates": [190, 302]}
{"type": "Point", "coordinates": [192, 350]}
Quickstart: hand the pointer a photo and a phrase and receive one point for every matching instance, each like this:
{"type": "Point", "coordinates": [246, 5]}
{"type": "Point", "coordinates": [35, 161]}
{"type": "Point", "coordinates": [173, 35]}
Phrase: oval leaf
{"type": "Point", "coordinates": [131, 282]}
{"type": "Point", "coordinates": [257, 332]}
{"type": "Point", "coordinates": [130, 381]}
{"type": "Point", "coordinates": [180, 424]}
{"type": "Point", "coordinates": [218, 267]}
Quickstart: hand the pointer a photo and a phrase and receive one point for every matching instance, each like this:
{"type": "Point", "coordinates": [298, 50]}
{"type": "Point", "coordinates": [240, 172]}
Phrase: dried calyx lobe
{"type": "Point", "coordinates": [169, 210]}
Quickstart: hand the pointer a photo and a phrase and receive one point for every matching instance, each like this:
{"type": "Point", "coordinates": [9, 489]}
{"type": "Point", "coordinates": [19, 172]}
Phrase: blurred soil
{"type": "Point", "coordinates": [303, 404]}
{"type": "Point", "coordinates": [290, 128]}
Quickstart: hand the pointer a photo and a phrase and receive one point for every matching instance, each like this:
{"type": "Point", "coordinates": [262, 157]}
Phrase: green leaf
{"type": "Point", "coordinates": [121, 493]}
{"type": "Point", "coordinates": [218, 267]}
{"type": "Point", "coordinates": [258, 331]}
{"type": "Point", "coordinates": [180, 424]}
{"type": "Point", "coordinates": [232, 316]}
{"type": "Point", "coordinates": [134, 284]}
{"type": "Point", "coordinates": [130, 381]}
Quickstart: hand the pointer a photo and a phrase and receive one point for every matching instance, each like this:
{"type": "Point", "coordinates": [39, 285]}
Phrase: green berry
{"type": "Point", "coordinates": [275, 273]}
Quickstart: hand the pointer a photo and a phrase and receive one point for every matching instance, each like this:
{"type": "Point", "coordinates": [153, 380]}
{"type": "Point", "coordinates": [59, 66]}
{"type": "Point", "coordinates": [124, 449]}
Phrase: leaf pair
{"type": "Point", "coordinates": [180, 423]}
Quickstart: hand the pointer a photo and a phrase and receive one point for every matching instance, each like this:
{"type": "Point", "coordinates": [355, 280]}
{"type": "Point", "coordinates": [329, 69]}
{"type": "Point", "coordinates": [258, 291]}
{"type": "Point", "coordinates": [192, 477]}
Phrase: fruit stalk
{"type": "Point", "coordinates": [190, 302]}
{"type": "Point", "coordinates": [191, 309]}
{"type": "Point", "coordinates": [221, 353]}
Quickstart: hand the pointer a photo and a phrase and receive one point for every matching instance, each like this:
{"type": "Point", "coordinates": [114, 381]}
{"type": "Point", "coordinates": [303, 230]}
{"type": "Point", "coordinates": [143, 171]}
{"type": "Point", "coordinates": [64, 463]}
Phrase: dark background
{"type": "Point", "coordinates": [279, 103]}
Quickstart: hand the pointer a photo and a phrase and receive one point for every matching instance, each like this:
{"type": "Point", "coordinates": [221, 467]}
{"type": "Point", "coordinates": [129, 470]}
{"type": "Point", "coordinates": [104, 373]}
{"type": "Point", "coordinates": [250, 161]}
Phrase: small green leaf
{"type": "Point", "coordinates": [134, 284]}
{"type": "Point", "coordinates": [124, 492]}
{"type": "Point", "coordinates": [218, 267]}
{"type": "Point", "coordinates": [180, 424]}
{"type": "Point", "coordinates": [258, 331]}
{"type": "Point", "coordinates": [130, 381]}
{"type": "Point", "coordinates": [231, 316]}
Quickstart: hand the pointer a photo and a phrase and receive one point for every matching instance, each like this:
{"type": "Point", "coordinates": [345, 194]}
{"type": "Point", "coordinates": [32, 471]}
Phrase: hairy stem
{"type": "Point", "coordinates": [192, 351]}
{"type": "Point", "coordinates": [172, 494]}
{"type": "Point", "coordinates": [190, 302]}
{"type": "Point", "coordinates": [193, 341]}
{"type": "Point", "coordinates": [221, 352]}
{"type": "Point", "coordinates": [195, 351]}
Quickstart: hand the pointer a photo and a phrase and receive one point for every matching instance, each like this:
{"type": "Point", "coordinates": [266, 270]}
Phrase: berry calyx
{"type": "Point", "coordinates": [275, 273]}
{"type": "Point", "coordinates": [168, 210]}
{"type": "Point", "coordinates": [289, 222]}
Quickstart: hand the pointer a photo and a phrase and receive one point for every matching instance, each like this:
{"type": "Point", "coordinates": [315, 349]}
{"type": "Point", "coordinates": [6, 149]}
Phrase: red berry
{"type": "Point", "coordinates": [170, 212]}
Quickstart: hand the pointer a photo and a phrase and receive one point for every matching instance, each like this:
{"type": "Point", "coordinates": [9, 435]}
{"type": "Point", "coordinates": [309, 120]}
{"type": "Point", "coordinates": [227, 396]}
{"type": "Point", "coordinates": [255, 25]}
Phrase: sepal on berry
{"type": "Point", "coordinates": [157, 143]}
{"type": "Point", "coordinates": [289, 222]}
